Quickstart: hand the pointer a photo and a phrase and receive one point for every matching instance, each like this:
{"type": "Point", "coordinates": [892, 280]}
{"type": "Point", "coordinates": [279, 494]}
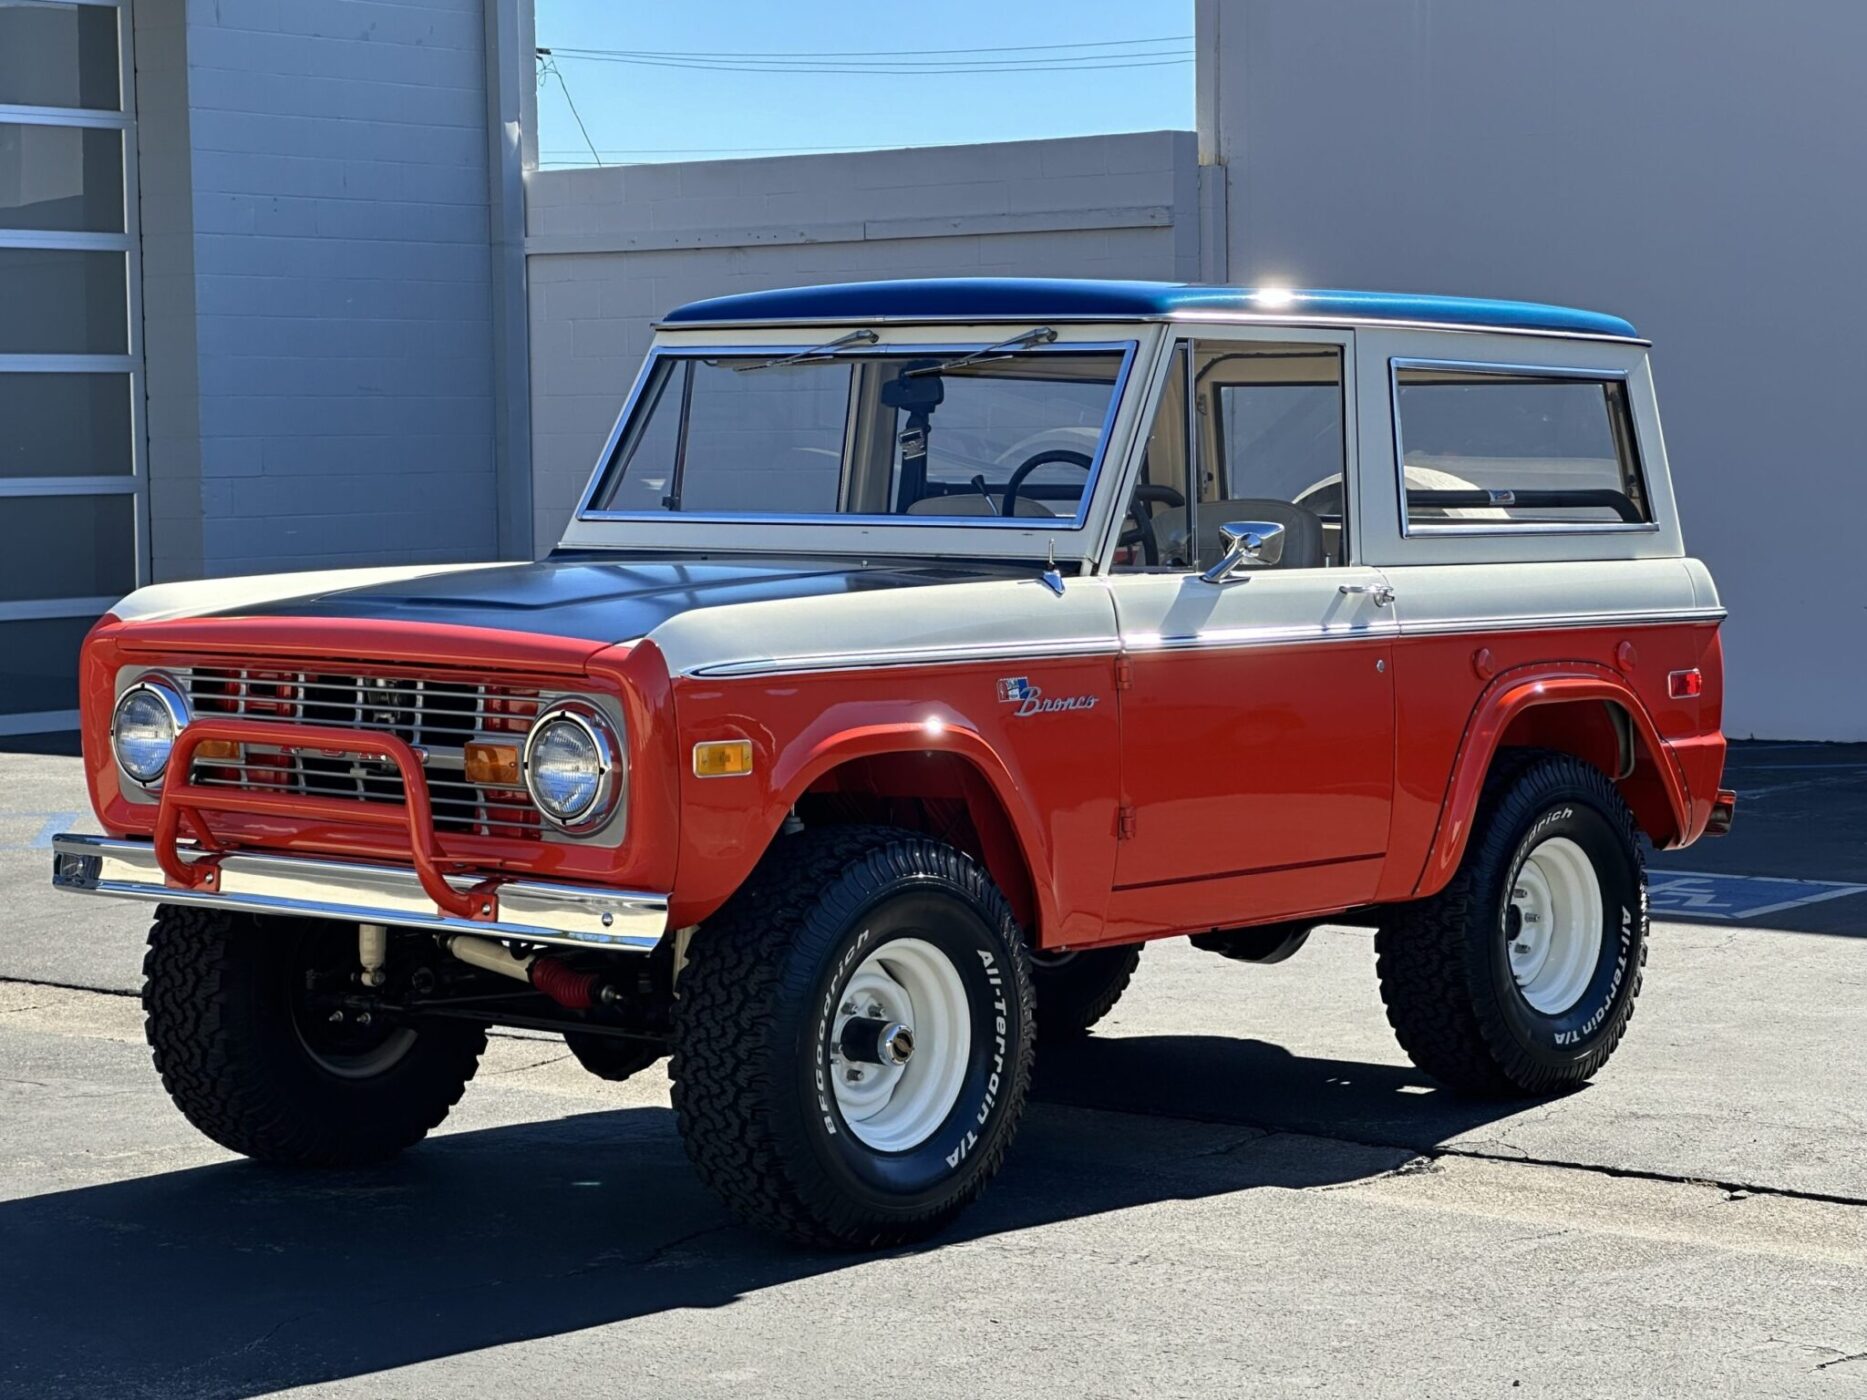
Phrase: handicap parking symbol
{"type": "Point", "coordinates": [1682, 894]}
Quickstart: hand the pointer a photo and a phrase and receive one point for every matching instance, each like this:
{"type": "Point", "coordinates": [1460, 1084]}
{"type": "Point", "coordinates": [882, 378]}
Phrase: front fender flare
{"type": "Point", "coordinates": [838, 739]}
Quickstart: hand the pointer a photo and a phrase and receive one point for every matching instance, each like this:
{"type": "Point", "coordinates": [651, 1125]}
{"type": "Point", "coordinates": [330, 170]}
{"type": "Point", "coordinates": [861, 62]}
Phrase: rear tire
{"type": "Point", "coordinates": [1076, 990]}
{"type": "Point", "coordinates": [1520, 976]}
{"type": "Point", "coordinates": [782, 1108]}
{"type": "Point", "coordinates": [250, 1066]}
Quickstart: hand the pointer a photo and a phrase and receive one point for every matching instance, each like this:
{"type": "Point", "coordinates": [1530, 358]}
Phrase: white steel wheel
{"type": "Point", "coordinates": [1554, 923]}
{"type": "Point", "coordinates": [895, 1101]}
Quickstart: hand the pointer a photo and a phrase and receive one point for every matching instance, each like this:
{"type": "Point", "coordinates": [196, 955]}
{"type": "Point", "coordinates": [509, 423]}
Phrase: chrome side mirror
{"type": "Point", "coordinates": [1249, 544]}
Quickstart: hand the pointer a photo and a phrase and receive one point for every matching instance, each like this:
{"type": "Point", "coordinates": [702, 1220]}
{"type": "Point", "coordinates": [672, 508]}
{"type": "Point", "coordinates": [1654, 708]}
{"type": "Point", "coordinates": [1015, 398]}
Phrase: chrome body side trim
{"type": "Point", "coordinates": [1549, 621]}
{"type": "Point", "coordinates": [1231, 638]}
{"type": "Point", "coordinates": [1218, 637]}
{"type": "Point", "coordinates": [919, 656]}
{"type": "Point", "coordinates": [577, 916]}
{"type": "Point", "coordinates": [1285, 636]}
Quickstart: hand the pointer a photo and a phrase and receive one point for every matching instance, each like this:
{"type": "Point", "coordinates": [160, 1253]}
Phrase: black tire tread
{"type": "Point", "coordinates": [200, 1027]}
{"type": "Point", "coordinates": [1074, 996]}
{"type": "Point", "coordinates": [1423, 949]}
{"type": "Point", "coordinates": [721, 1090]}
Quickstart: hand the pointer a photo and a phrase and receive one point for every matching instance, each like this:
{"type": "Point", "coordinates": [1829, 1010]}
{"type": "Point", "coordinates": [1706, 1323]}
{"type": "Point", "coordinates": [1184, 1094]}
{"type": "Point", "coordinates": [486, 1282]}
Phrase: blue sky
{"type": "Point", "coordinates": [677, 106]}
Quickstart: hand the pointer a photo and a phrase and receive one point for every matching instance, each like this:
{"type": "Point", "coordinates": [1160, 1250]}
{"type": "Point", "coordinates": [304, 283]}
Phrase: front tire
{"type": "Point", "coordinates": [798, 1099]}
{"type": "Point", "coordinates": [1520, 976]}
{"type": "Point", "coordinates": [256, 1069]}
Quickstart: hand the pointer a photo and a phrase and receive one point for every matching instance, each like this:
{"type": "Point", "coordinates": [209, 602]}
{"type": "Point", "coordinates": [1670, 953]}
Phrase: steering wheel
{"type": "Point", "coordinates": [1032, 463]}
{"type": "Point", "coordinates": [1146, 496]}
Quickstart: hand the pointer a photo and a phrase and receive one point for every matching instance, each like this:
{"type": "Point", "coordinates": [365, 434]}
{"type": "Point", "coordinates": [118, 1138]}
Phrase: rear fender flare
{"type": "Point", "coordinates": [1510, 695]}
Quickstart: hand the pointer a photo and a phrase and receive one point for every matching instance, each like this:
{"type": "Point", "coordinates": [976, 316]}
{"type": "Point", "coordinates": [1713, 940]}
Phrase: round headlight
{"type": "Point", "coordinates": [142, 731]}
{"type": "Point", "coordinates": [571, 766]}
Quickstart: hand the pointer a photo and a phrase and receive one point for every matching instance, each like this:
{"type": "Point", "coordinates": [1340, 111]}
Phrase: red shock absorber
{"type": "Point", "coordinates": [565, 985]}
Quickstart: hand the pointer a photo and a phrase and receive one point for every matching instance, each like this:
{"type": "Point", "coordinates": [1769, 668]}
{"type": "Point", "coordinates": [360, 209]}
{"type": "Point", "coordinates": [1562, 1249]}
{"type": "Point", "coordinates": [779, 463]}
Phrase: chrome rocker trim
{"type": "Point", "coordinates": [577, 916]}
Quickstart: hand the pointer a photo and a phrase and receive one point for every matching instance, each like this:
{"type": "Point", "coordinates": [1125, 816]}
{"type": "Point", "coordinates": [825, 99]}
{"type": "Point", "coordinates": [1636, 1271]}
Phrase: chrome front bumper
{"type": "Point", "coordinates": [582, 916]}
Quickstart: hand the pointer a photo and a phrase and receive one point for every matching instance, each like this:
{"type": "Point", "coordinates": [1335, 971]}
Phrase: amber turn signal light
{"type": "Point", "coordinates": [216, 748]}
{"type": "Point", "coordinates": [493, 765]}
{"type": "Point", "coordinates": [723, 758]}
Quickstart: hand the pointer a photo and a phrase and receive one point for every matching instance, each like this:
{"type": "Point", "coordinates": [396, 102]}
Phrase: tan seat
{"type": "Point", "coordinates": [971, 503]}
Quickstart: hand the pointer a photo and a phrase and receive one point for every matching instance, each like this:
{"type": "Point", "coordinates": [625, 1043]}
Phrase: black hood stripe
{"type": "Point", "coordinates": [603, 600]}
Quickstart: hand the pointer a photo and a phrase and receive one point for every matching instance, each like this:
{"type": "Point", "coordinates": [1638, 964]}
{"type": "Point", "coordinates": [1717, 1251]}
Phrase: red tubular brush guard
{"type": "Point", "coordinates": [415, 814]}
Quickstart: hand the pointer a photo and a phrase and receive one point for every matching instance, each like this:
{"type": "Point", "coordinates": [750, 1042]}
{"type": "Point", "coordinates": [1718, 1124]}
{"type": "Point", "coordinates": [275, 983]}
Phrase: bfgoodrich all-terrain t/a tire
{"type": "Point", "coordinates": [259, 1072]}
{"type": "Point", "coordinates": [1520, 976]}
{"type": "Point", "coordinates": [853, 1040]}
{"type": "Point", "coordinates": [1075, 990]}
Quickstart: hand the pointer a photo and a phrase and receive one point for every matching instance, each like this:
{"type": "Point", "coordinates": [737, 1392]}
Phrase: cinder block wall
{"type": "Point", "coordinates": [316, 264]}
{"type": "Point", "coordinates": [609, 251]}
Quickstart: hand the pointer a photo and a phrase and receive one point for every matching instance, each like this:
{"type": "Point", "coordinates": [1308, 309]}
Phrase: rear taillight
{"type": "Point", "coordinates": [1686, 685]}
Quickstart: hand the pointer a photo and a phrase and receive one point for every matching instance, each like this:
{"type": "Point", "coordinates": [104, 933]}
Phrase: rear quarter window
{"type": "Point", "coordinates": [1496, 449]}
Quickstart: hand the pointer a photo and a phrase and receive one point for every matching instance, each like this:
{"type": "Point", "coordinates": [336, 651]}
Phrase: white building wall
{"type": "Point", "coordinates": [319, 307]}
{"type": "Point", "coordinates": [1691, 164]}
{"type": "Point", "coordinates": [610, 250]}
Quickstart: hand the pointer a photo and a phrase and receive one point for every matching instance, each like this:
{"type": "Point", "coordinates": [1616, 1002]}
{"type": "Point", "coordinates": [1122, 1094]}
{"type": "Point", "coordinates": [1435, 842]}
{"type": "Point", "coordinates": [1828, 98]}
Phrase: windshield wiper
{"type": "Point", "coordinates": [826, 351]}
{"type": "Point", "coordinates": [1043, 335]}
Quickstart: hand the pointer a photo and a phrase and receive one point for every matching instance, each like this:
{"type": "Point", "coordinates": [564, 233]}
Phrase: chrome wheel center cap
{"type": "Point", "coordinates": [896, 1044]}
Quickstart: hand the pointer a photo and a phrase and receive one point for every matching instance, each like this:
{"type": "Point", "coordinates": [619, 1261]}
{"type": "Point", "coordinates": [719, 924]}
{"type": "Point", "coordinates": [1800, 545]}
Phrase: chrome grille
{"type": "Point", "coordinates": [438, 715]}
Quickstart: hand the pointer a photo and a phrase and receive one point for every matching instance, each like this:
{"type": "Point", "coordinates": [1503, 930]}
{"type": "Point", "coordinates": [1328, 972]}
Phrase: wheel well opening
{"type": "Point", "coordinates": [939, 794]}
{"type": "Point", "coordinates": [1602, 733]}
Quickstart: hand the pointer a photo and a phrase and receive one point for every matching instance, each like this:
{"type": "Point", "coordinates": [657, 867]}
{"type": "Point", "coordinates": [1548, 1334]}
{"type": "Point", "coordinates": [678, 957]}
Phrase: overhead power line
{"type": "Point", "coordinates": [1084, 56]}
{"type": "Point", "coordinates": [548, 67]}
{"type": "Point", "coordinates": [878, 70]}
{"type": "Point", "coordinates": [875, 53]}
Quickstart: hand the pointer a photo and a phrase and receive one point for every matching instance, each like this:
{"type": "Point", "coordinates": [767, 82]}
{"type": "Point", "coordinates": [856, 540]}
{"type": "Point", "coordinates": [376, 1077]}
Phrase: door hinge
{"type": "Point", "coordinates": [1124, 822]}
{"type": "Point", "coordinates": [1124, 673]}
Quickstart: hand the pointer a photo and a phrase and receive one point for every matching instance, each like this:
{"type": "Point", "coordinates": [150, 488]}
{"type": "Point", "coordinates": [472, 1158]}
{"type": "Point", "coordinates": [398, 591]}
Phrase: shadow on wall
{"type": "Point", "coordinates": [237, 1280]}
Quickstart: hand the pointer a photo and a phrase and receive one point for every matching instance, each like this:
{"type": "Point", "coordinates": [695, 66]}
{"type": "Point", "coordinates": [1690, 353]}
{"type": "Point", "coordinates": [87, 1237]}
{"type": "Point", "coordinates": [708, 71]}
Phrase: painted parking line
{"type": "Point", "coordinates": [1682, 893]}
{"type": "Point", "coordinates": [33, 831]}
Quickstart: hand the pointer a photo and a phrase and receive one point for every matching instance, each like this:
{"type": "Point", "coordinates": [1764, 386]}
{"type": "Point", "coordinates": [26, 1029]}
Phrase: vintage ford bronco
{"type": "Point", "coordinates": [917, 652]}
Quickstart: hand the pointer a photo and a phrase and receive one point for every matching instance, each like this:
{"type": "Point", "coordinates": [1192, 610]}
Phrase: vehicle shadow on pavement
{"type": "Point", "coordinates": [236, 1280]}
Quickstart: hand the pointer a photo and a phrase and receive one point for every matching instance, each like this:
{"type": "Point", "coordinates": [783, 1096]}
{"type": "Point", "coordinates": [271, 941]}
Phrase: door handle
{"type": "Point", "coordinates": [1381, 594]}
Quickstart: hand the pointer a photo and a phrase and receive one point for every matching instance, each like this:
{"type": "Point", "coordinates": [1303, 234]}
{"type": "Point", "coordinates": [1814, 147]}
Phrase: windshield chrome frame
{"type": "Point", "coordinates": [1069, 536]}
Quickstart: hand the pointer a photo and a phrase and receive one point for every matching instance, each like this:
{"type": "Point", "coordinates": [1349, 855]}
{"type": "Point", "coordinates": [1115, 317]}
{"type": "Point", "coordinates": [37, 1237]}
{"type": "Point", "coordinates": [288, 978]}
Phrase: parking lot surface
{"type": "Point", "coordinates": [1237, 1186]}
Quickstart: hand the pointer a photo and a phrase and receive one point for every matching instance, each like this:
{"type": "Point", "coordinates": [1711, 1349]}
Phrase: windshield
{"type": "Point", "coordinates": [1013, 436]}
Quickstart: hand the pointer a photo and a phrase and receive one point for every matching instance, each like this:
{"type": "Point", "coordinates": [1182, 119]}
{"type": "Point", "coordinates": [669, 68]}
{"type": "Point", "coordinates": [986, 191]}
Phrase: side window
{"type": "Point", "coordinates": [1488, 449]}
{"type": "Point", "coordinates": [1273, 447]}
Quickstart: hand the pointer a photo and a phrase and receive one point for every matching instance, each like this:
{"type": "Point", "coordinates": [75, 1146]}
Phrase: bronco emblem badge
{"type": "Point", "coordinates": [1018, 690]}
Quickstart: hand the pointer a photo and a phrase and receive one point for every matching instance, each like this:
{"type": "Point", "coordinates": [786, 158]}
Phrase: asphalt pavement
{"type": "Point", "coordinates": [1238, 1186]}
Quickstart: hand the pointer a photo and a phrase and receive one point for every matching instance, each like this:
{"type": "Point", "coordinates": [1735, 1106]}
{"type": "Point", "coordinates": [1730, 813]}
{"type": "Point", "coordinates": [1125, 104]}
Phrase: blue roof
{"type": "Point", "coordinates": [1057, 298]}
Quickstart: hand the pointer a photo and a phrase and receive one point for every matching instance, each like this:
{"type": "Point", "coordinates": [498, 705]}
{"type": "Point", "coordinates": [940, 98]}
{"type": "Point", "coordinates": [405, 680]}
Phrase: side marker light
{"type": "Point", "coordinates": [723, 758]}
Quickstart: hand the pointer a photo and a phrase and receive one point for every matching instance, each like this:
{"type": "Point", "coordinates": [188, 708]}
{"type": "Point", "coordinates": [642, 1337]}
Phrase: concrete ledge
{"type": "Point", "coordinates": [853, 230]}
